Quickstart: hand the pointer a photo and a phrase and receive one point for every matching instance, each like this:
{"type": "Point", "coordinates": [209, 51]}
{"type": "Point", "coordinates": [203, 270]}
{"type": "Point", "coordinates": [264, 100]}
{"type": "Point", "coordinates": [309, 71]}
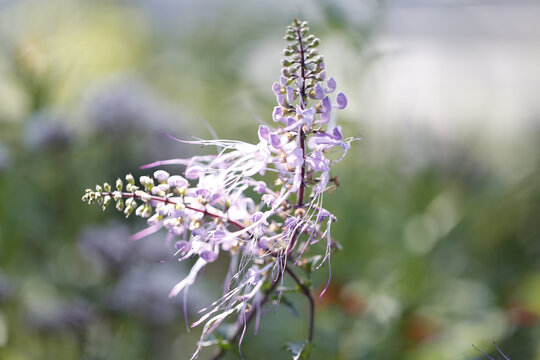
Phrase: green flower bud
{"type": "Point", "coordinates": [288, 52]}
{"type": "Point", "coordinates": [290, 37]}
{"type": "Point", "coordinates": [107, 187]}
{"type": "Point", "coordinates": [309, 38]}
{"type": "Point", "coordinates": [128, 211]}
{"type": "Point", "coordinates": [314, 43]}
{"type": "Point", "coordinates": [312, 53]}
{"type": "Point", "coordinates": [318, 59]}
{"type": "Point", "coordinates": [119, 184]}
{"type": "Point", "coordinates": [106, 201]}
{"type": "Point", "coordinates": [117, 195]}
{"type": "Point", "coordinates": [285, 62]}
{"type": "Point", "coordinates": [120, 205]}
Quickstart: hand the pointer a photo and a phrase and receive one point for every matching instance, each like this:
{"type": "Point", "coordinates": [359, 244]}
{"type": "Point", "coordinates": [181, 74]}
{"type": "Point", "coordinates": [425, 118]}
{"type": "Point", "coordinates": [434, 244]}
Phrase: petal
{"type": "Point", "coordinates": [194, 172]}
{"type": "Point", "coordinates": [319, 91]}
{"type": "Point", "coordinates": [275, 141]}
{"type": "Point", "coordinates": [290, 94]}
{"type": "Point", "coordinates": [190, 279]}
{"type": "Point", "coordinates": [161, 175]}
{"type": "Point", "coordinates": [341, 100]}
{"type": "Point", "coordinates": [276, 87]}
{"type": "Point", "coordinates": [295, 157]}
{"type": "Point", "coordinates": [336, 133]}
{"type": "Point", "coordinates": [280, 98]}
{"type": "Point", "coordinates": [326, 104]}
{"type": "Point", "coordinates": [277, 114]}
{"type": "Point", "coordinates": [209, 255]}
{"type": "Point", "coordinates": [178, 181]}
{"type": "Point", "coordinates": [264, 132]}
{"type": "Point", "coordinates": [331, 84]}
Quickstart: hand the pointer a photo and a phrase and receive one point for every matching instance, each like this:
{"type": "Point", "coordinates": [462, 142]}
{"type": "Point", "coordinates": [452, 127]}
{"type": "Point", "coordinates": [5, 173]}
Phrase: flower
{"type": "Point", "coordinates": [221, 207]}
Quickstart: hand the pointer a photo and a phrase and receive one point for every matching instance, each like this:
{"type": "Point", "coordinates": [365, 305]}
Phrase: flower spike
{"type": "Point", "coordinates": [207, 208]}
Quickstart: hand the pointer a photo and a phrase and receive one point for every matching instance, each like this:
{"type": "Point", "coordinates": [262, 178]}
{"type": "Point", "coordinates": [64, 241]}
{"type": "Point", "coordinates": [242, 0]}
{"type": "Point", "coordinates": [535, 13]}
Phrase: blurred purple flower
{"type": "Point", "coordinates": [47, 130]}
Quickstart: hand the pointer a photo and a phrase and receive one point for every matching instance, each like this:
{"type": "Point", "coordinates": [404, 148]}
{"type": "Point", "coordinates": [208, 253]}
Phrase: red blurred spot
{"type": "Point", "coordinates": [418, 328]}
{"type": "Point", "coordinates": [522, 315]}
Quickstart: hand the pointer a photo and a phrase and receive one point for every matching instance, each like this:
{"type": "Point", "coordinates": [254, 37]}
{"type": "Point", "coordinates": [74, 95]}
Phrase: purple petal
{"type": "Point", "coordinates": [290, 121]}
{"type": "Point", "coordinates": [280, 98]}
{"type": "Point", "coordinates": [277, 114]}
{"type": "Point", "coordinates": [318, 162]}
{"type": "Point", "coordinates": [177, 230]}
{"type": "Point", "coordinates": [319, 91]}
{"type": "Point", "coordinates": [295, 157]}
{"type": "Point", "coordinates": [209, 255]}
{"type": "Point", "coordinates": [275, 141]}
{"type": "Point", "coordinates": [182, 245]}
{"type": "Point", "coordinates": [163, 187]}
{"type": "Point", "coordinates": [276, 87]}
{"type": "Point", "coordinates": [264, 132]}
{"type": "Point", "coordinates": [161, 175]}
{"type": "Point", "coordinates": [193, 172]}
{"type": "Point", "coordinates": [326, 109]}
{"type": "Point", "coordinates": [341, 100]}
{"type": "Point", "coordinates": [290, 94]}
{"type": "Point", "coordinates": [331, 84]}
{"type": "Point", "coordinates": [257, 216]}
{"type": "Point", "coordinates": [178, 181]}
{"type": "Point", "coordinates": [203, 192]}
{"type": "Point", "coordinates": [326, 104]}
{"type": "Point", "coordinates": [283, 80]}
{"type": "Point", "coordinates": [336, 133]}
{"type": "Point", "coordinates": [260, 187]}
{"type": "Point", "coordinates": [323, 214]}
{"type": "Point", "coordinates": [219, 235]}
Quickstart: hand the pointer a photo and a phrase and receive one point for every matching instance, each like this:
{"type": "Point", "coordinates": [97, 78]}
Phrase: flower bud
{"type": "Point", "coordinates": [161, 175]}
{"type": "Point", "coordinates": [130, 179]}
{"type": "Point", "coordinates": [106, 201]}
{"type": "Point", "coordinates": [119, 184]}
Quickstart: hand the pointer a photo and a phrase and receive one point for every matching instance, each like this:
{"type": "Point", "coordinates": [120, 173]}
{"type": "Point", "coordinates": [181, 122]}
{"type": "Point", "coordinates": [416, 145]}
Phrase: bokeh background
{"type": "Point", "coordinates": [438, 207]}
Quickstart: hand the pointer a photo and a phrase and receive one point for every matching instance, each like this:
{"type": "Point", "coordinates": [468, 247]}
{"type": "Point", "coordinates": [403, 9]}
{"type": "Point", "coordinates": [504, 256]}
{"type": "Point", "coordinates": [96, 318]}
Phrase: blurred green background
{"type": "Point", "coordinates": [438, 207]}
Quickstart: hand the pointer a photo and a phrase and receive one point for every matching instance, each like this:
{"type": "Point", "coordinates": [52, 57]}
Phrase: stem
{"type": "Point", "coordinates": [303, 100]}
{"type": "Point", "coordinates": [169, 201]}
{"type": "Point", "coordinates": [307, 293]}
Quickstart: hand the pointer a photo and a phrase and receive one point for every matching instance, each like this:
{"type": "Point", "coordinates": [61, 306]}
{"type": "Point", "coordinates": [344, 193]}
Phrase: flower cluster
{"type": "Point", "coordinates": [221, 206]}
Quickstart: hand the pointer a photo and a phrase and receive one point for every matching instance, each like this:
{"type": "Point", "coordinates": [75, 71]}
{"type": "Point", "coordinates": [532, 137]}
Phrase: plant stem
{"type": "Point", "coordinates": [307, 293]}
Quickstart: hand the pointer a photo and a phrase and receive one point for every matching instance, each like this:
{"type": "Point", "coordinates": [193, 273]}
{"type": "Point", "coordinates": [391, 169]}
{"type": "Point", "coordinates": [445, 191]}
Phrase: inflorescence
{"type": "Point", "coordinates": [208, 212]}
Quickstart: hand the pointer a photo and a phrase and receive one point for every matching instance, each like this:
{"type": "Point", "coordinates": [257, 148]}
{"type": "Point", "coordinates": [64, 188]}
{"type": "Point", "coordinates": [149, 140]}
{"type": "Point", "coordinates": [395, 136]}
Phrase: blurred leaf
{"type": "Point", "coordinates": [285, 301]}
{"type": "Point", "coordinates": [299, 350]}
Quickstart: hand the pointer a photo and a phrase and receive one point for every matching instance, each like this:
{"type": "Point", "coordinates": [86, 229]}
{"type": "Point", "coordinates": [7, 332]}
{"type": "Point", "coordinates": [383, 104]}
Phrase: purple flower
{"type": "Point", "coordinates": [208, 212]}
